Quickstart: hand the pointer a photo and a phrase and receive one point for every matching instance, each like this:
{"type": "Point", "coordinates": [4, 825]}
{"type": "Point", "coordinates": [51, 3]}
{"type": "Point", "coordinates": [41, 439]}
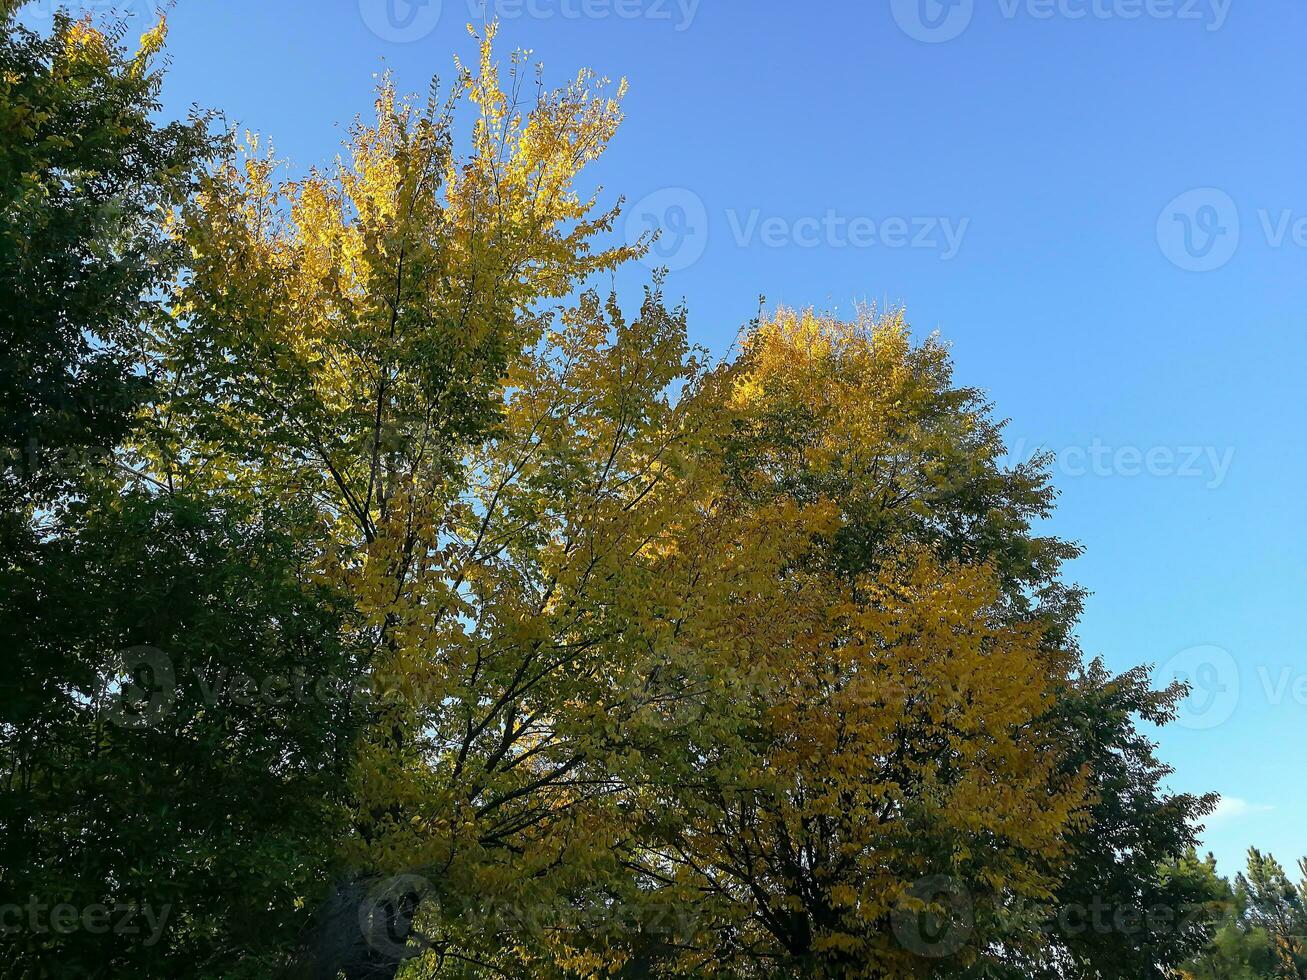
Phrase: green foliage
{"type": "Point", "coordinates": [185, 840]}
{"type": "Point", "coordinates": [1263, 929]}
{"type": "Point", "coordinates": [213, 795]}
{"type": "Point", "coordinates": [1128, 903]}
{"type": "Point", "coordinates": [86, 178]}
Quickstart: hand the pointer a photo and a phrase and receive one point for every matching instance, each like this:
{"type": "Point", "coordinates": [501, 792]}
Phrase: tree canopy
{"type": "Point", "coordinates": [389, 600]}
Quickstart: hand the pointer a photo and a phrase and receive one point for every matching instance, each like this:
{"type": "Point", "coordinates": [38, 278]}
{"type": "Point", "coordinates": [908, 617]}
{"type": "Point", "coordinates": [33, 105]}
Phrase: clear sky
{"type": "Point", "coordinates": [1101, 203]}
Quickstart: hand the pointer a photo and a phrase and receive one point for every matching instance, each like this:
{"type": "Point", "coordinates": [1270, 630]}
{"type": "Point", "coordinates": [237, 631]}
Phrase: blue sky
{"type": "Point", "coordinates": [1102, 204]}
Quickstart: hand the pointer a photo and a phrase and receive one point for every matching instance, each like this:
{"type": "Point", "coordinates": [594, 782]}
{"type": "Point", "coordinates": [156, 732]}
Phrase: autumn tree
{"type": "Point", "coordinates": [758, 668]}
{"type": "Point", "coordinates": [376, 341]}
{"type": "Point", "coordinates": [878, 684]}
{"type": "Point", "coordinates": [894, 717]}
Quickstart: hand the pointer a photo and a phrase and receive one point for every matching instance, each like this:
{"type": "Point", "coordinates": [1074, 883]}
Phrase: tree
{"type": "Point", "coordinates": [1261, 933]}
{"type": "Point", "coordinates": [170, 769]}
{"type": "Point", "coordinates": [1277, 907]}
{"type": "Point", "coordinates": [178, 756]}
{"type": "Point", "coordinates": [905, 649]}
{"type": "Point", "coordinates": [532, 678]}
{"type": "Point", "coordinates": [85, 179]}
{"type": "Point", "coordinates": [1130, 902]}
{"type": "Point", "coordinates": [879, 688]}
{"type": "Point", "coordinates": [752, 669]}
{"type": "Point", "coordinates": [375, 342]}
{"type": "Point", "coordinates": [1235, 952]}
